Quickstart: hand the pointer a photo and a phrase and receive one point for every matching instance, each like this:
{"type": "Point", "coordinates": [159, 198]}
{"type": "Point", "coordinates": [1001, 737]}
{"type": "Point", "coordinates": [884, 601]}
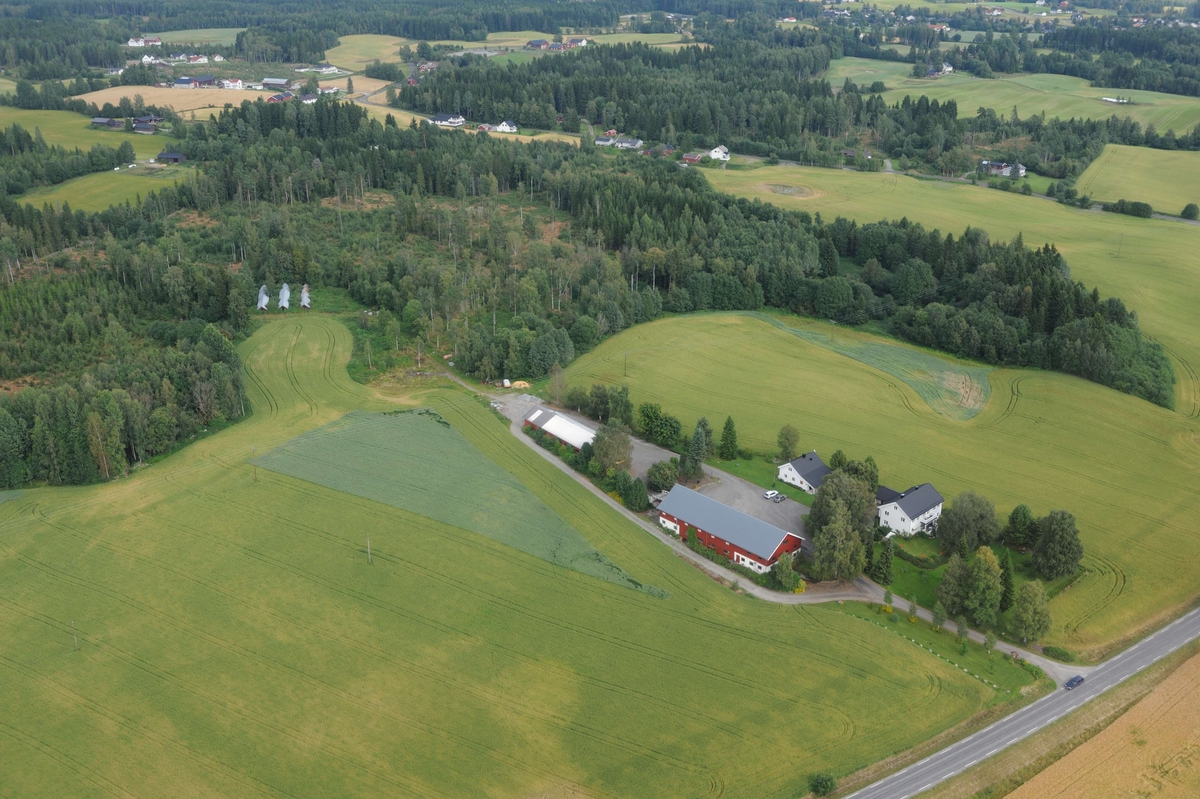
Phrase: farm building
{"type": "Point", "coordinates": [146, 128]}
{"type": "Point", "coordinates": [561, 426]}
{"type": "Point", "coordinates": [171, 158]}
{"type": "Point", "coordinates": [1001, 169]}
{"type": "Point", "coordinates": [908, 512]}
{"type": "Point", "coordinates": [745, 540]}
{"type": "Point", "coordinates": [276, 83]}
{"type": "Point", "coordinates": [507, 126]}
{"type": "Point", "coordinates": [577, 43]}
{"type": "Point", "coordinates": [628, 144]}
{"type": "Point", "coordinates": [692, 158]}
{"type": "Point", "coordinates": [605, 141]}
{"type": "Point", "coordinates": [806, 472]}
{"type": "Point", "coordinates": [106, 122]}
{"type": "Point", "coordinates": [720, 153]}
{"type": "Point", "coordinates": [448, 120]}
{"type": "Point", "coordinates": [537, 44]}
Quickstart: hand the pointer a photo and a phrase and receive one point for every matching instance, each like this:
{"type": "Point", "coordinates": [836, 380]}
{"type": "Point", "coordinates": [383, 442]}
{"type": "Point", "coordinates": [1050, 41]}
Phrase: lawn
{"type": "Point", "coordinates": [761, 471]}
{"type": "Point", "coordinates": [98, 191]}
{"type": "Point", "coordinates": [71, 130]}
{"type": "Point", "coordinates": [1145, 262]}
{"type": "Point", "coordinates": [234, 639]}
{"type": "Point", "coordinates": [1125, 468]}
{"type": "Point", "coordinates": [1167, 179]}
{"type": "Point", "coordinates": [358, 51]}
{"type": "Point", "coordinates": [1057, 95]}
{"type": "Point", "coordinates": [220, 36]}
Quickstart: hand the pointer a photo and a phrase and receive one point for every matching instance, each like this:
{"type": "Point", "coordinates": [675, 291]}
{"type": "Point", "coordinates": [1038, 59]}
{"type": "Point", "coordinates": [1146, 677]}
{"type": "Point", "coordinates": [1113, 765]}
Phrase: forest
{"type": "Point", "coordinates": [129, 309]}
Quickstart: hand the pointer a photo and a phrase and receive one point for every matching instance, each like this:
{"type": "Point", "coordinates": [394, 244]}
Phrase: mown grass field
{"type": "Point", "coordinates": [1167, 179]}
{"type": "Point", "coordinates": [1145, 262]}
{"type": "Point", "coordinates": [234, 639]}
{"type": "Point", "coordinates": [358, 51]}
{"type": "Point", "coordinates": [1148, 751]}
{"type": "Point", "coordinates": [221, 36]}
{"type": "Point", "coordinates": [71, 130]}
{"type": "Point", "coordinates": [1057, 95]}
{"type": "Point", "coordinates": [100, 190]}
{"type": "Point", "coordinates": [1125, 468]}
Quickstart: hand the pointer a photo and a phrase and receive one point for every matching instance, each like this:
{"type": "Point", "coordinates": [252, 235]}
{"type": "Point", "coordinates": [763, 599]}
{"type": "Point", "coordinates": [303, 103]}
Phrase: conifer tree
{"type": "Point", "coordinates": [729, 441]}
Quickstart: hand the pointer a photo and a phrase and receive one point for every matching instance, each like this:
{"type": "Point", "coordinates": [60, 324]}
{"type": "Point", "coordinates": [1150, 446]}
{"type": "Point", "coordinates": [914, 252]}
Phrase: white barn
{"type": "Point", "coordinates": [909, 512]}
{"type": "Point", "coordinates": [806, 472]}
{"type": "Point", "coordinates": [561, 426]}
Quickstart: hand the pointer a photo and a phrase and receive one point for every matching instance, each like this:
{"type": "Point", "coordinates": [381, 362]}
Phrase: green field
{"type": "Point", "coordinates": [1126, 468]}
{"type": "Point", "coordinates": [100, 190]}
{"type": "Point", "coordinates": [1167, 179]}
{"type": "Point", "coordinates": [356, 52]}
{"type": "Point", "coordinates": [1145, 262]}
{"type": "Point", "coordinates": [71, 130]}
{"type": "Point", "coordinates": [1057, 95]}
{"type": "Point", "coordinates": [221, 36]}
{"type": "Point", "coordinates": [385, 458]}
{"type": "Point", "coordinates": [234, 640]}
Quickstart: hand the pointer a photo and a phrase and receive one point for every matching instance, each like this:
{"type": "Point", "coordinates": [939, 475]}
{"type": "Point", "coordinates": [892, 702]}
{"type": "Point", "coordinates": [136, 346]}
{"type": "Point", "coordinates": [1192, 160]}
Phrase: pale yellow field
{"type": "Point", "coordinates": [1151, 751]}
{"type": "Point", "coordinates": [362, 84]}
{"type": "Point", "coordinates": [179, 99]}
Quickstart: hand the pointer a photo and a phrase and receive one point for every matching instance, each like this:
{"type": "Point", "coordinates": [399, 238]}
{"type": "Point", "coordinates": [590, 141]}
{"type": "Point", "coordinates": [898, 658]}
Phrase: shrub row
{"type": "Point", "coordinates": [615, 482]}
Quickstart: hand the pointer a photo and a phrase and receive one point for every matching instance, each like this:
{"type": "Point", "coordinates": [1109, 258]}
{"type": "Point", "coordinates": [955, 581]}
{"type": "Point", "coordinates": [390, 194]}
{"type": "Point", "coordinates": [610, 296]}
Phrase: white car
{"type": "Point", "coordinates": [770, 495]}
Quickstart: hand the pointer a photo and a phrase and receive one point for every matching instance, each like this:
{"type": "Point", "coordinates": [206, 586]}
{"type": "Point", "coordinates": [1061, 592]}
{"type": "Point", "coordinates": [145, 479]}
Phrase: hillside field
{"type": "Point", "coordinates": [234, 639]}
{"type": "Point", "coordinates": [71, 130]}
{"type": "Point", "coordinates": [1148, 263]}
{"type": "Point", "coordinates": [358, 51]}
{"type": "Point", "coordinates": [1127, 469]}
{"type": "Point", "coordinates": [221, 36]}
{"type": "Point", "coordinates": [1150, 751]}
{"type": "Point", "coordinates": [1058, 95]}
{"type": "Point", "coordinates": [100, 190]}
{"type": "Point", "coordinates": [182, 100]}
{"type": "Point", "coordinates": [1167, 179]}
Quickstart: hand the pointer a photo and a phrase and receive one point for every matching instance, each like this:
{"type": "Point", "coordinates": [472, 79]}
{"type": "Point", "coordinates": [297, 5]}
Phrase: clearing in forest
{"type": "Point", "coordinates": [386, 458]}
{"type": "Point", "coordinates": [98, 191]}
{"type": "Point", "coordinates": [221, 36]}
{"type": "Point", "coordinates": [70, 130]}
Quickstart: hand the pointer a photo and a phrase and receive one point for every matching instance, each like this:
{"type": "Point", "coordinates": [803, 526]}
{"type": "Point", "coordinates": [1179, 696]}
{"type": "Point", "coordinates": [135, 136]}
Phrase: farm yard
{"type": "Point", "coordinates": [1148, 751]}
{"type": "Point", "coordinates": [1145, 262]}
{"type": "Point", "coordinates": [209, 595]}
{"type": "Point", "coordinates": [1167, 179]}
{"type": "Point", "coordinates": [1126, 468]}
{"type": "Point", "coordinates": [100, 190]}
{"type": "Point", "coordinates": [1058, 95]}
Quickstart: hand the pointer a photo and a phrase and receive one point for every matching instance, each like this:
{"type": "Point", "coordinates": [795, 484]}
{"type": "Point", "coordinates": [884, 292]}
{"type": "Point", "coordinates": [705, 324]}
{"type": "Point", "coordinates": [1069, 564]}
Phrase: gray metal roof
{"type": "Point", "coordinates": [751, 534]}
{"type": "Point", "coordinates": [919, 499]}
{"type": "Point", "coordinates": [886, 496]}
{"type": "Point", "coordinates": [811, 468]}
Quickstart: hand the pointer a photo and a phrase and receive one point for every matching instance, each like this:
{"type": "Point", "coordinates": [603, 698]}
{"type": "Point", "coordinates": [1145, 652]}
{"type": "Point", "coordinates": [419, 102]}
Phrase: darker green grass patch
{"type": "Point", "coordinates": [417, 462]}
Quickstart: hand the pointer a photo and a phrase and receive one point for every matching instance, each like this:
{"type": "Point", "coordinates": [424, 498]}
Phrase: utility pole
{"type": "Point", "coordinates": [253, 454]}
{"type": "Point", "coordinates": [369, 548]}
{"type": "Point", "coordinates": [627, 363]}
{"type": "Point", "coordinates": [75, 635]}
{"type": "Point", "coordinates": [1120, 245]}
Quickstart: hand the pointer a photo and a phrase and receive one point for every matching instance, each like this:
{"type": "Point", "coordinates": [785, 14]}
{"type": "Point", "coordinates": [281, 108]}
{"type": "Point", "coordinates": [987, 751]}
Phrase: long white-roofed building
{"type": "Point", "coordinates": [561, 426]}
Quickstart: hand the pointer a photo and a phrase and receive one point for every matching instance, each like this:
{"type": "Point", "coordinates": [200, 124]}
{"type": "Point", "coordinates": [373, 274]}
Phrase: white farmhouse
{"type": "Point", "coordinates": [136, 41]}
{"type": "Point", "coordinates": [507, 126]}
{"type": "Point", "coordinates": [908, 512]}
{"type": "Point", "coordinates": [806, 472]}
{"type": "Point", "coordinates": [720, 153]}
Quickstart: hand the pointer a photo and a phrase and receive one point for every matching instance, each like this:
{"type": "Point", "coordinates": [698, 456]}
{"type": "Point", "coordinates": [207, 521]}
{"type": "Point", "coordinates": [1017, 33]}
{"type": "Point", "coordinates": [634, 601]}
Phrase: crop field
{"type": "Point", "coordinates": [362, 84]}
{"type": "Point", "coordinates": [1167, 179]}
{"type": "Point", "coordinates": [181, 100]}
{"type": "Point", "coordinates": [221, 36]}
{"type": "Point", "coordinates": [1148, 263]}
{"type": "Point", "coordinates": [71, 130]}
{"type": "Point", "coordinates": [385, 457]}
{"type": "Point", "coordinates": [1150, 751]}
{"type": "Point", "coordinates": [358, 51]}
{"type": "Point", "coordinates": [100, 190]}
{"type": "Point", "coordinates": [1127, 469]}
{"type": "Point", "coordinates": [1057, 95]}
{"type": "Point", "coordinates": [234, 639]}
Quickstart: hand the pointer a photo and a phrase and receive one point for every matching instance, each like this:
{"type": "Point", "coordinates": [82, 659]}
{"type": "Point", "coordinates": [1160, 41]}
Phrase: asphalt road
{"type": "Point", "coordinates": [966, 753]}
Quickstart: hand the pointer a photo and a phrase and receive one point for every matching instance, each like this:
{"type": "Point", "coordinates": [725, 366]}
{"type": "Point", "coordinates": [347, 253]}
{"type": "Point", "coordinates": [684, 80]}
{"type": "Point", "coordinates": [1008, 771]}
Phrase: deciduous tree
{"type": "Point", "coordinates": [788, 439]}
{"type": "Point", "coordinates": [853, 495]}
{"type": "Point", "coordinates": [838, 549]}
{"type": "Point", "coordinates": [967, 522]}
{"type": "Point", "coordinates": [1030, 617]}
{"type": "Point", "coordinates": [612, 446]}
{"type": "Point", "coordinates": [1059, 549]}
{"type": "Point", "coordinates": [1022, 529]}
{"type": "Point", "coordinates": [984, 587]}
{"type": "Point", "coordinates": [1008, 593]}
{"type": "Point", "coordinates": [953, 586]}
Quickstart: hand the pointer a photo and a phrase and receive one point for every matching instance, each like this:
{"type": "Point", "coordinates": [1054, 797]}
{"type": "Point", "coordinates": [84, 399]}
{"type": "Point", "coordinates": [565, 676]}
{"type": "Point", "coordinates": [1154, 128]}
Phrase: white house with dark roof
{"type": "Point", "coordinates": [805, 473]}
{"type": "Point", "coordinates": [507, 126]}
{"type": "Point", "coordinates": [909, 512]}
{"type": "Point", "coordinates": [448, 120]}
{"type": "Point", "coordinates": [741, 538]}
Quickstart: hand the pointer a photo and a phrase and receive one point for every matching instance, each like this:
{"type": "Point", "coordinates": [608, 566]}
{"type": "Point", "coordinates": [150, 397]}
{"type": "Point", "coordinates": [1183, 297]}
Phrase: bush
{"type": "Point", "coordinates": [1130, 208]}
{"type": "Point", "coordinates": [1058, 653]}
{"type": "Point", "coordinates": [822, 784]}
{"type": "Point", "coordinates": [1190, 211]}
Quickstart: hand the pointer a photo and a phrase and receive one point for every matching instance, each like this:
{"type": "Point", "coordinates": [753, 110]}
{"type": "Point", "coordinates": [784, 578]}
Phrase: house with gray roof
{"type": "Point", "coordinates": [806, 472]}
{"type": "Point", "coordinates": [741, 538]}
{"type": "Point", "coordinates": [909, 512]}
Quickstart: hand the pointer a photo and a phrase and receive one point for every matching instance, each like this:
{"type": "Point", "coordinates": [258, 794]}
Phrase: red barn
{"type": "Point", "coordinates": [745, 540]}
